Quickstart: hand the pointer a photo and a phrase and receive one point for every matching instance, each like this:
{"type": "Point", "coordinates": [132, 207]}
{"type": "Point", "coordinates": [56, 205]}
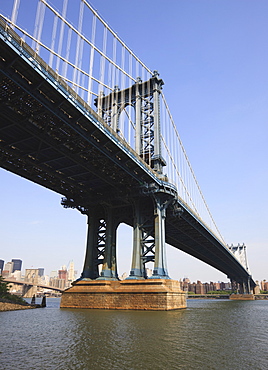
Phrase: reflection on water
{"type": "Point", "coordinates": [209, 334]}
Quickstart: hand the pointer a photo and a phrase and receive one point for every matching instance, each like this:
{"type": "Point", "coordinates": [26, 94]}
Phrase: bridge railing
{"type": "Point", "coordinates": [89, 56]}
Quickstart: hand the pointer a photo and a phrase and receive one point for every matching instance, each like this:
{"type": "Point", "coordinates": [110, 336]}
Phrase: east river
{"type": "Point", "coordinates": [209, 334]}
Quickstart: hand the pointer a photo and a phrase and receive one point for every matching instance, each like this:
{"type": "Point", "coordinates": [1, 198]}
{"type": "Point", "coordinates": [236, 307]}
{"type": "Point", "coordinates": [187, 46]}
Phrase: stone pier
{"type": "Point", "coordinates": [147, 294]}
{"type": "Point", "coordinates": [242, 297]}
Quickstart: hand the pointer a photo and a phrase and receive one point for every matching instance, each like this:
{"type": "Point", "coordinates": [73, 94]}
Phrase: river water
{"type": "Point", "coordinates": [209, 334]}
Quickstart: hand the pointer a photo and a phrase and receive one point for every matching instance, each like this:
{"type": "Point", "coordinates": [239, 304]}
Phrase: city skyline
{"type": "Point", "coordinates": [212, 58]}
{"type": "Point", "coordinates": [69, 273]}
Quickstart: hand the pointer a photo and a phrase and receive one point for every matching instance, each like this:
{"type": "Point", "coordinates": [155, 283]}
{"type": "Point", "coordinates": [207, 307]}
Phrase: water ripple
{"type": "Point", "coordinates": [209, 334]}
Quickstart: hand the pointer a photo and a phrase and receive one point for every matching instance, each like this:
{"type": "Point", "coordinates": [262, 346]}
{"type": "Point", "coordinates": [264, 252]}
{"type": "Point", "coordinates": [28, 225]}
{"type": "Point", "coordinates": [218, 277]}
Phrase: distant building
{"type": "Point", "coordinates": [63, 274]}
{"type": "Point", "coordinates": [71, 275]}
{"type": "Point", "coordinates": [16, 275]}
{"type": "Point", "coordinates": [45, 279]}
{"type": "Point", "coordinates": [199, 288]}
{"type": "Point", "coordinates": [8, 268]}
{"type": "Point", "coordinates": [185, 284]}
{"type": "Point", "coordinates": [53, 274]}
{"type": "Point", "coordinates": [57, 283]}
{"type": "Point", "coordinates": [41, 272]}
{"type": "Point", "coordinates": [2, 262]}
{"type": "Point", "coordinates": [149, 272]}
{"type": "Point", "coordinates": [5, 273]}
{"type": "Point", "coordinates": [123, 276]}
{"type": "Point", "coordinates": [16, 264]}
{"type": "Point", "coordinates": [264, 285]}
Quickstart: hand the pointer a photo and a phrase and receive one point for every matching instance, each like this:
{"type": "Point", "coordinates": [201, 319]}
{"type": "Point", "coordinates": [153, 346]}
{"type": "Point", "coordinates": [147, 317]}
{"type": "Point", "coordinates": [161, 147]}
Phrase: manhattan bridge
{"type": "Point", "coordinates": [83, 116]}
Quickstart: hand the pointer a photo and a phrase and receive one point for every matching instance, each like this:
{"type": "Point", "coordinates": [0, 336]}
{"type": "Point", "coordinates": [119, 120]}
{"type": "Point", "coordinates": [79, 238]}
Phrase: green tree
{"type": "Point", "coordinates": [4, 287]}
{"type": "Point", "coordinates": [5, 295]}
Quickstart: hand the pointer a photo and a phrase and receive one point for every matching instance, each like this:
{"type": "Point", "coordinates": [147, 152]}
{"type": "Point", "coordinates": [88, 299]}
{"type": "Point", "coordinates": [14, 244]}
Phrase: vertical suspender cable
{"type": "Point", "coordinates": [68, 49]}
{"type": "Point", "coordinates": [39, 21]}
{"type": "Point", "coordinates": [91, 60]}
{"type": "Point", "coordinates": [113, 67]}
{"type": "Point", "coordinates": [81, 47]}
{"type": "Point", "coordinates": [64, 12]}
{"type": "Point", "coordinates": [122, 87]}
{"type": "Point", "coordinates": [102, 61]}
{"type": "Point", "coordinates": [76, 73]}
{"type": "Point", "coordinates": [36, 25]}
{"type": "Point", "coordinates": [15, 10]}
{"type": "Point", "coordinates": [53, 40]}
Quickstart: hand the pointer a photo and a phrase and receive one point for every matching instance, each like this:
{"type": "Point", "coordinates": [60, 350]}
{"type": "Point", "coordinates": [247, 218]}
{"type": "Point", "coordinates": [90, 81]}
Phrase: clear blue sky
{"type": "Point", "coordinates": [213, 57]}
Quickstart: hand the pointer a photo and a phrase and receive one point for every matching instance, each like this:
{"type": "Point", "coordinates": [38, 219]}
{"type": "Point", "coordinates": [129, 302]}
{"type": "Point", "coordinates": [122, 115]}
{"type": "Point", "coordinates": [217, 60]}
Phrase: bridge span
{"type": "Point", "coordinates": [28, 286]}
{"type": "Point", "coordinates": [51, 136]}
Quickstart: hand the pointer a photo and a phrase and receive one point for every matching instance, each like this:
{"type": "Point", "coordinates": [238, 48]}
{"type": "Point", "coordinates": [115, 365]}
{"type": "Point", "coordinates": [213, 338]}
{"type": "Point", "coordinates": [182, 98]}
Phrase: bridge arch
{"type": "Point", "coordinates": [126, 123]}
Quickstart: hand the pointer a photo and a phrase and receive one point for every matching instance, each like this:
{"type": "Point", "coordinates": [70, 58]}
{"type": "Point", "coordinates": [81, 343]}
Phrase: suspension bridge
{"type": "Point", "coordinates": [83, 116]}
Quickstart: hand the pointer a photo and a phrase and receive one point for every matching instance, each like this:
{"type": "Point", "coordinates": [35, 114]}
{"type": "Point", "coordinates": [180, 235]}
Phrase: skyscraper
{"type": "Point", "coordinates": [8, 268]}
{"type": "Point", "coordinates": [16, 264]}
{"type": "Point", "coordinates": [1, 265]}
{"type": "Point", "coordinates": [41, 272]}
{"type": "Point", "coordinates": [71, 272]}
{"type": "Point", "coordinates": [63, 274]}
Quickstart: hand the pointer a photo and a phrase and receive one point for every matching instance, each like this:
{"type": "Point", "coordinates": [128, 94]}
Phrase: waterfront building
{"type": "Point", "coordinates": [199, 288]}
{"type": "Point", "coordinates": [185, 284]}
{"type": "Point", "coordinates": [204, 288]}
{"type": "Point", "coordinates": [264, 285]}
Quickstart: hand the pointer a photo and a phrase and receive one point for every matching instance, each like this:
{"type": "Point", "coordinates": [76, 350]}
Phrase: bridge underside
{"type": "Point", "coordinates": [58, 142]}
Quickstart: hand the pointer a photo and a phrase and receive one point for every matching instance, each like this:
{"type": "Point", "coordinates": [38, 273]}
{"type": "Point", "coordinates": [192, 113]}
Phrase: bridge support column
{"type": "Point", "coordinates": [241, 289]}
{"type": "Point", "coordinates": [101, 246]}
{"type": "Point", "coordinates": [29, 291]}
{"type": "Point", "coordinates": [149, 241]}
{"type": "Point", "coordinates": [160, 264]}
{"type": "Point", "coordinates": [109, 267]}
{"type": "Point", "coordinates": [137, 267]}
{"type": "Point", "coordinates": [90, 269]}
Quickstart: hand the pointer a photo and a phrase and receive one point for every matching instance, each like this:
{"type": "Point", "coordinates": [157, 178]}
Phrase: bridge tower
{"type": "Point", "coordinates": [148, 229]}
{"type": "Point", "coordinates": [240, 284]}
{"type": "Point", "coordinates": [144, 97]}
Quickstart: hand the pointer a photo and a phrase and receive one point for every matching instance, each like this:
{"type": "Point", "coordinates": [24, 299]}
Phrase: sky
{"type": "Point", "coordinates": [213, 58]}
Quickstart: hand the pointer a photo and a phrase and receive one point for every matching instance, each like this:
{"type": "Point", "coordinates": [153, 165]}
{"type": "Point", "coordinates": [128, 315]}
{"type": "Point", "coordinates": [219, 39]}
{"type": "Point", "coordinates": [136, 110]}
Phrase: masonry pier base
{"type": "Point", "coordinates": [147, 294]}
{"type": "Point", "coordinates": [242, 297]}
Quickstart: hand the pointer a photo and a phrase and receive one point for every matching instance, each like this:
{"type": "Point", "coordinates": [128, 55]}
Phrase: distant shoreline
{"type": "Point", "coordinates": [222, 296]}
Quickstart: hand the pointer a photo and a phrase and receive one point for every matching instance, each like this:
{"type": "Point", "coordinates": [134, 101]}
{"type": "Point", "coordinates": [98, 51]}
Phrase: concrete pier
{"type": "Point", "coordinates": [242, 297]}
{"type": "Point", "coordinates": [147, 294]}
